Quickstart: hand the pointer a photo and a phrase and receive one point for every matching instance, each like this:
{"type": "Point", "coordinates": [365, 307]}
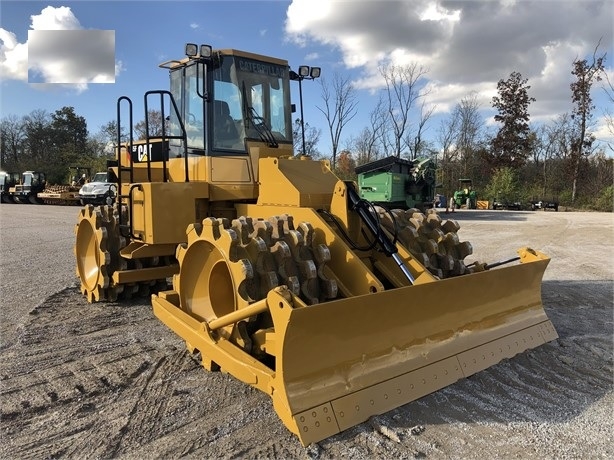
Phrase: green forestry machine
{"type": "Point", "coordinates": [398, 183]}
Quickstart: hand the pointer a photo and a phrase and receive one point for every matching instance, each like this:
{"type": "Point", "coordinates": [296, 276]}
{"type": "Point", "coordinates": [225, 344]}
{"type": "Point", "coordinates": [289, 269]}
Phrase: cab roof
{"type": "Point", "coordinates": [173, 64]}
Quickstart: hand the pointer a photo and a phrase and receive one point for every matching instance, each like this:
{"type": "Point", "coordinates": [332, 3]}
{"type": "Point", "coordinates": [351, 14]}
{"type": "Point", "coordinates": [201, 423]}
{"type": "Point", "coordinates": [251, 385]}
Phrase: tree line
{"type": "Point", "coordinates": [51, 143]}
{"type": "Point", "coordinates": [54, 142]}
{"type": "Point", "coordinates": [517, 161]}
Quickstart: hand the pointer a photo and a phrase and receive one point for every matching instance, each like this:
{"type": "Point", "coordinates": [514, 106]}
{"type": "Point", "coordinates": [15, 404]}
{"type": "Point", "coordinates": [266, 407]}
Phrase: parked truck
{"type": "Point", "coordinates": [99, 191]}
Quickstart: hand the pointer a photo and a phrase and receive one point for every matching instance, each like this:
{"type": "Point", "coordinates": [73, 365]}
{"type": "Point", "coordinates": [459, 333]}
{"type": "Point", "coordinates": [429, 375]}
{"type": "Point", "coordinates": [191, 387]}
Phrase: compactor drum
{"type": "Point", "coordinates": [280, 274]}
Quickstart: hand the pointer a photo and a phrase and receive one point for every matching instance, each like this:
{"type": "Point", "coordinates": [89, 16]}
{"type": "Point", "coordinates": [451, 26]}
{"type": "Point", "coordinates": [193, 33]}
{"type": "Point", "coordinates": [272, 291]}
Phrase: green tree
{"type": "Point", "coordinates": [69, 130]}
{"type": "Point", "coordinates": [69, 144]}
{"type": "Point", "coordinates": [512, 144]}
{"type": "Point", "coordinates": [503, 185]}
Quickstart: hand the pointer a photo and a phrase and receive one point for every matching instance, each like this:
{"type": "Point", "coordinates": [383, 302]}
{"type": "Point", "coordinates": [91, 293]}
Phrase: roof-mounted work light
{"type": "Point", "coordinates": [206, 51]}
{"type": "Point", "coordinates": [303, 71]}
{"type": "Point", "coordinates": [191, 50]}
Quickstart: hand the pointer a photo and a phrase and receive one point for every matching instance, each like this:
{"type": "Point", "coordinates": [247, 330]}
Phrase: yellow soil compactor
{"type": "Point", "coordinates": [281, 274]}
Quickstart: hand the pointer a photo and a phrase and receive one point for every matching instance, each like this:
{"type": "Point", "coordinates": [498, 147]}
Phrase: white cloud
{"type": "Point", "coordinates": [59, 51]}
{"type": "Point", "coordinates": [13, 57]}
{"type": "Point", "coordinates": [465, 45]}
{"type": "Point", "coordinates": [119, 67]}
{"type": "Point", "coordinates": [194, 25]}
{"type": "Point", "coordinates": [52, 18]}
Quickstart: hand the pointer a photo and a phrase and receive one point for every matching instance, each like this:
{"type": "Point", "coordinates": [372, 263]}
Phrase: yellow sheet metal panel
{"type": "Point", "coordinates": [390, 347]}
{"type": "Point", "coordinates": [384, 396]}
{"type": "Point", "coordinates": [484, 356]}
{"type": "Point", "coordinates": [162, 211]}
{"type": "Point", "coordinates": [381, 336]}
{"type": "Point", "coordinates": [316, 424]}
{"type": "Point", "coordinates": [230, 169]}
{"type": "Point", "coordinates": [295, 182]}
{"type": "Point", "coordinates": [231, 359]}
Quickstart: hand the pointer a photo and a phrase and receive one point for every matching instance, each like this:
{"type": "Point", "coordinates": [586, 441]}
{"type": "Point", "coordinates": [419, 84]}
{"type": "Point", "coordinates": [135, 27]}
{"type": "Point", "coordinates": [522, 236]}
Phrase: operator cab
{"type": "Point", "coordinates": [8, 179]}
{"type": "Point", "coordinates": [32, 179]}
{"type": "Point", "coordinates": [226, 98]}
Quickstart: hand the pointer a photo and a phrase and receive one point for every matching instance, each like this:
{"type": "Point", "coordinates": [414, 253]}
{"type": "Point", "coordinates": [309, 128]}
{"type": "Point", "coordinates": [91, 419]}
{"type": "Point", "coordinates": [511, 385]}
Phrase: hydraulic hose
{"type": "Point", "coordinates": [362, 208]}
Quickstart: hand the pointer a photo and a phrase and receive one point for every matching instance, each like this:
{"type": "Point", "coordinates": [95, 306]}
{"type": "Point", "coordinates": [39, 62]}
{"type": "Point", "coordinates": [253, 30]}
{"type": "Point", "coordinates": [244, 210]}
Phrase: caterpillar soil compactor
{"type": "Point", "coordinates": [281, 274]}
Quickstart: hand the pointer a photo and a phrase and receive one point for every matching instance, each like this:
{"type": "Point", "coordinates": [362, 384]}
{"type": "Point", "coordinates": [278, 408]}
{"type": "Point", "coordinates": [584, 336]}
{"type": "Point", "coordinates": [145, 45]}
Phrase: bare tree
{"type": "Point", "coordinates": [417, 146]}
{"type": "Point", "coordinates": [551, 142]}
{"type": "Point", "coordinates": [586, 74]}
{"type": "Point", "coordinates": [154, 119]}
{"type": "Point", "coordinates": [608, 113]}
{"type": "Point", "coordinates": [339, 108]}
{"type": "Point", "coordinates": [108, 132]}
{"type": "Point", "coordinates": [312, 137]}
{"type": "Point", "coordinates": [401, 93]}
{"type": "Point", "coordinates": [447, 133]}
{"type": "Point", "coordinates": [12, 139]}
{"type": "Point", "coordinates": [39, 139]}
{"type": "Point", "coordinates": [470, 126]}
{"type": "Point", "coordinates": [448, 164]}
{"type": "Point", "coordinates": [367, 144]}
{"type": "Point", "coordinates": [460, 136]}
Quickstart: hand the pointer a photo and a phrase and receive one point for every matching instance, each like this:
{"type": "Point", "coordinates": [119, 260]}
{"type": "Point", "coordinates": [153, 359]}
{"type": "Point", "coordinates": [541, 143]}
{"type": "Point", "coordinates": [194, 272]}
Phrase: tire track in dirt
{"type": "Point", "coordinates": [214, 420]}
{"type": "Point", "coordinates": [109, 380]}
{"type": "Point", "coordinates": [66, 367]}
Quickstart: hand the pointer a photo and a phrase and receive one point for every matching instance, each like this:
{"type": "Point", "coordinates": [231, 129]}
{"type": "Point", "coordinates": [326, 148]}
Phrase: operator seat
{"type": "Point", "coordinates": [225, 129]}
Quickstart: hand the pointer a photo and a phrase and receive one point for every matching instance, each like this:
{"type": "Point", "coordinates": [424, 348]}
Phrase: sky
{"type": "Point", "coordinates": [86, 54]}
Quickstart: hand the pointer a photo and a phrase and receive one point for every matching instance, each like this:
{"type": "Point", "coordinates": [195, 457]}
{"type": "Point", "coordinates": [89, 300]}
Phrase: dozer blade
{"type": "Point", "coordinates": [340, 362]}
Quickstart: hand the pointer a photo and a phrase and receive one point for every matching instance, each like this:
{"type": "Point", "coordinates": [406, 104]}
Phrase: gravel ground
{"type": "Point", "coordinates": [110, 381]}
